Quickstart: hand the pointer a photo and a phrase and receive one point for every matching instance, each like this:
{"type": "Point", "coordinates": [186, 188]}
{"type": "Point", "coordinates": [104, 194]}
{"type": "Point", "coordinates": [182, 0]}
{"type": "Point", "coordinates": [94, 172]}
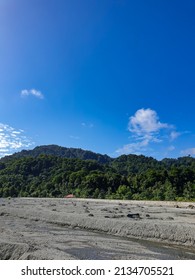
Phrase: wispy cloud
{"type": "Point", "coordinates": [189, 151]}
{"type": "Point", "coordinates": [136, 147]}
{"type": "Point", "coordinates": [34, 92]}
{"type": "Point", "coordinates": [74, 137]}
{"type": "Point", "coordinates": [88, 125]}
{"type": "Point", "coordinates": [171, 148]}
{"type": "Point", "coordinates": [11, 140]}
{"type": "Point", "coordinates": [146, 128]}
{"type": "Point", "coordinates": [174, 135]}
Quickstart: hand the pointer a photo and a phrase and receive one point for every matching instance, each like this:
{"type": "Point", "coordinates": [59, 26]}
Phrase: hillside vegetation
{"type": "Point", "coordinates": [53, 171]}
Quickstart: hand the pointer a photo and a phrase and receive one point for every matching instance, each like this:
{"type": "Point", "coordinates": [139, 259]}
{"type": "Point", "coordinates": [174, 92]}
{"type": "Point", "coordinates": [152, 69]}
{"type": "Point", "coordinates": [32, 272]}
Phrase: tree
{"type": "Point", "coordinates": [189, 190]}
{"type": "Point", "coordinates": [123, 192]}
{"type": "Point", "coordinates": [170, 191]}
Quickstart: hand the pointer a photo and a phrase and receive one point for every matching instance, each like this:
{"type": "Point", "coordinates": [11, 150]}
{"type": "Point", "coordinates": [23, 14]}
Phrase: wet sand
{"type": "Point", "coordinates": [35, 228]}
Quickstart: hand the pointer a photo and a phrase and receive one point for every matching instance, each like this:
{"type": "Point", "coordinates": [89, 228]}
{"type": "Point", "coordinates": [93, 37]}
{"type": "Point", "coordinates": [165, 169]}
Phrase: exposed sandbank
{"type": "Point", "coordinates": [36, 228]}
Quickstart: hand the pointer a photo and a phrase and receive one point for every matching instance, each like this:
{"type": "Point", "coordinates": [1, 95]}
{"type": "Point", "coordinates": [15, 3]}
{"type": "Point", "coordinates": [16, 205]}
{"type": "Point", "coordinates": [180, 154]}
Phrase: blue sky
{"type": "Point", "coordinates": [114, 76]}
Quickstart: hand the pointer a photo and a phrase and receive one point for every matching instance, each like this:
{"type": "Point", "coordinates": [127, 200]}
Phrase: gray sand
{"type": "Point", "coordinates": [35, 228]}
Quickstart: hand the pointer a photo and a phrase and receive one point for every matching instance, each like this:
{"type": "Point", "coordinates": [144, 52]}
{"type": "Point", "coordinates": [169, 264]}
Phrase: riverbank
{"type": "Point", "coordinates": [40, 228]}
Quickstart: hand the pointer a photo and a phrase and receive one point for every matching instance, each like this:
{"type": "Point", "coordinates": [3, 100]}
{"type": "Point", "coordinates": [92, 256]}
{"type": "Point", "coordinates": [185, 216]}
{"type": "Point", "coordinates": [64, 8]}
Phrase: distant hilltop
{"type": "Point", "coordinates": [125, 164]}
{"type": "Point", "coordinates": [131, 162]}
{"type": "Point", "coordinates": [63, 152]}
{"type": "Point", "coordinates": [54, 171]}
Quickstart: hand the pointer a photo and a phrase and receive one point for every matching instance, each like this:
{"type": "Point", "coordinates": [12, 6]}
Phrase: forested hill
{"type": "Point", "coordinates": [59, 151]}
{"type": "Point", "coordinates": [53, 171]}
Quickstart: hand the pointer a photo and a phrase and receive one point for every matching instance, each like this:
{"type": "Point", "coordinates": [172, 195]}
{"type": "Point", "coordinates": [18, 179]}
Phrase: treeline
{"type": "Point", "coordinates": [126, 177]}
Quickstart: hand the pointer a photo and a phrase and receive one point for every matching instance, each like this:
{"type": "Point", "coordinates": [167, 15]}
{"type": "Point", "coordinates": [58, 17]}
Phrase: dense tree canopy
{"type": "Point", "coordinates": [41, 173]}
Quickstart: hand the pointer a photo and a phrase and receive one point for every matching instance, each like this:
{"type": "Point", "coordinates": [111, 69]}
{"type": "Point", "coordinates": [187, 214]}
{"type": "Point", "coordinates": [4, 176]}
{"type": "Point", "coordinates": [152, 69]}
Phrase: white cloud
{"type": "Point", "coordinates": [133, 148]}
{"type": "Point", "coordinates": [34, 92]}
{"type": "Point", "coordinates": [171, 148]}
{"type": "Point", "coordinates": [189, 151]}
{"type": "Point", "coordinates": [74, 137]}
{"type": "Point", "coordinates": [174, 135]}
{"type": "Point", "coordinates": [11, 140]}
{"type": "Point", "coordinates": [89, 125]}
{"type": "Point", "coordinates": [145, 122]}
{"type": "Point", "coordinates": [145, 129]}
{"type": "Point", "coordinates": [16, 132]}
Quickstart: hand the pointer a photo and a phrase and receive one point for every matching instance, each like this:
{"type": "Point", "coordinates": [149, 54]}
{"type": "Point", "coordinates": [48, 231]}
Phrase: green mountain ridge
{"type": "Point", "coordinates": [59, 151]}
{"type": "Point", "coordinates": [54, 171]}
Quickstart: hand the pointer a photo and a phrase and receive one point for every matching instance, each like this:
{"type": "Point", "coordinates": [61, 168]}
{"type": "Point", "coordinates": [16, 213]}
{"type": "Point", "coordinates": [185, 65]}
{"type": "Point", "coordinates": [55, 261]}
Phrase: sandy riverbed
{"type": "Point", "coordinates": [36, 228]}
